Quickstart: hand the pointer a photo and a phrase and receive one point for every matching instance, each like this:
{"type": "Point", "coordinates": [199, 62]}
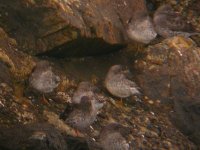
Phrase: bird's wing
{"type": "Point", "coordinates": [127, 74]}
{"type": "Point", "coordinates": [177, 23]}
{"type": "Point", "coordinates": [131, 85]}
{"type": "Point", "coordinates": [75, 117]}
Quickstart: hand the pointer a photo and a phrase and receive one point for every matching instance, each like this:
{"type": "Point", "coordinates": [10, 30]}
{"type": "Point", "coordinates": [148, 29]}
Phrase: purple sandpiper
{"type": "Point", "coordinates": [113, 137]}
{"type": "Point", "coordinates": [118, 84]}
{"type": "Point", "coordinates": [169, 23]}
{"type": "Point", "coordinates": [43, 78]}
{"type": "Point", "coordinates": [82, 115]}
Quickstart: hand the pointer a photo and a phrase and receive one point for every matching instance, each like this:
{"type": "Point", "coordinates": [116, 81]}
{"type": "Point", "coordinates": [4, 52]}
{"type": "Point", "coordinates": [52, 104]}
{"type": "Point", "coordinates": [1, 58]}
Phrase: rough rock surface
{"type": "Point", "coordinates": [41, 26]}
{"type": "Point", "coordinates": [170, 72]}
{"type": "Point", "coordinates": [170, 69]}
{"type": "Point", "coordinates": [19, 64]}
{"type": "Point", "coordinates": [33, 136]}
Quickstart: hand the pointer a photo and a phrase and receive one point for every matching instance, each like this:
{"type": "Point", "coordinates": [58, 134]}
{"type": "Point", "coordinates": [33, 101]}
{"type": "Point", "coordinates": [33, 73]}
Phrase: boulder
{"type": "Point", "coordinates": [170, 70]}
{"type": "Point", "coordinates": [37, 136]}
{"type": "Point", "coordinates": [69, 27]}
{"type": "Point", "coordinates": [17, 63]}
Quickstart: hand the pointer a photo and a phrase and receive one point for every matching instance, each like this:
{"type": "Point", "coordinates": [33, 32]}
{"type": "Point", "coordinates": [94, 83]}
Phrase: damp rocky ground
{"type": "Point", "coordinates": [165, 116]}
{"type": "Point", "coordinates": [151, 127]}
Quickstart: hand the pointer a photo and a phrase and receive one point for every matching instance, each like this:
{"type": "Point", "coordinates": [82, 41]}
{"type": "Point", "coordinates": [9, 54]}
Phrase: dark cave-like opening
{"type": "Point", "coordinates": [82, 47]}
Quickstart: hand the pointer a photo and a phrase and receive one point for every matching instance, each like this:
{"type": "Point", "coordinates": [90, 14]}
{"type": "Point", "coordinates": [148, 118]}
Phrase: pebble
{"type": "Point", "coordinates": [151, 102]}
{"type": "Point", "coordinates": [151, 134]}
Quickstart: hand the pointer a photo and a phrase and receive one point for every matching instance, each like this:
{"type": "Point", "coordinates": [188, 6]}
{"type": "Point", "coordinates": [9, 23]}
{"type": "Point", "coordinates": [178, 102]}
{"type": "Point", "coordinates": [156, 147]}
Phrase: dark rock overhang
{"type": "Point", "coordinates": [83, 47]}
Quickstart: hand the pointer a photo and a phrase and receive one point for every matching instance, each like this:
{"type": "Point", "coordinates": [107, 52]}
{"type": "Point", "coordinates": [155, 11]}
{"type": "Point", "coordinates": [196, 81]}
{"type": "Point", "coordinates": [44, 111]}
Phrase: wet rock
{"type": "Point", "coordinates": [151, 134]}
{"type": "Point", "coordinates": [15, 67]}
{"type": "Point", "coordinates": [195, 6]}
{"type": "Point", "coordinates": [43, 79]}
{"type": "Point", "coordinates": [76, 143]}
{"type": "Point", "coordinates": [118, 83]}
{"type": "Point", "coordinates": [171, 73]}
{"type": "Point", "coordinates": [70, 27]}
{"type": "Point", "coordinates": [5, 75]}
{"type": "Point", "coordinates": [186, 118]}
{"type": "Point", "coordinates": [32, 136]}
{"type": "Point", "coordinates": [19, 64]}
{"type": "Point", "coordinates": [167, 145]}
{"type": "Point", "coordinates": [170, 70]}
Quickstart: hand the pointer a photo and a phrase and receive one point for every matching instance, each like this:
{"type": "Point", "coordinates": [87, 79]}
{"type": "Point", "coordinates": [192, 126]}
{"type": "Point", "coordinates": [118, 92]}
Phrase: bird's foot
{"type": "Point", "coordinates": [44, 100]}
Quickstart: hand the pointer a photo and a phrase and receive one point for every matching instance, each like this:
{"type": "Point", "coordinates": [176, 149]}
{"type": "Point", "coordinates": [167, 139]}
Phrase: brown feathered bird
{"type": "Point", "coordinates": [82, 115]}
{"type": "Point", "coordinates": [43, 79]}
{"type": "Point", "coordinates": [118, 83]}
{"type": "Point", "coordinates": [113, 137]}
{"type": "Point", "coordinates": [86, 88]}
{"type": "Point", "coordinates": [140, 26]}
{"type": "Point", "coordinates": [169, 23]}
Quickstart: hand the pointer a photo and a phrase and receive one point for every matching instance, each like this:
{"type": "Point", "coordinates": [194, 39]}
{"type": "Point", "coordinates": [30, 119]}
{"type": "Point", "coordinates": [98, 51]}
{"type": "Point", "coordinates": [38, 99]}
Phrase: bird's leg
{"type": "Point", "coordinates": [77, 132]}
{"type": "Point", "coordinates": [44, 100]}
{"type": "Point", "coordinates": [121, 101]}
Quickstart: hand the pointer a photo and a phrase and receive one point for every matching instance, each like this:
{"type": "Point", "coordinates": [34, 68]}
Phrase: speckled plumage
{"type": "Point", "coordinates": [87, 89]}
{"type": "Point", "coordinates": [141, 29]}
{"type": "Point", "coordinates": [82, 115]}
{"type": "Point", "coordinates": [43, 78]}
{"type": "Point", "coordinates": [169, 23]}
{"type": "Point", "coordinates": [118, 84]}
{"type": "Point", "coordinates": [84, 89]}
{"type": "Point", "coordinates": [113, 137]}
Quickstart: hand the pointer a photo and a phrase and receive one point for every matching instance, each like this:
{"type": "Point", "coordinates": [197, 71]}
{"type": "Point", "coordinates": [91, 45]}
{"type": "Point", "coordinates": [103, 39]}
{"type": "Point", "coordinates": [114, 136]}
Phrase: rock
{"type": "Point", "coordinates": [43, 79]}
{"type": "Point", "coordinates": [5, 75]}
{"type": "Point", "coordinates": [167, 145]}
{"type": "Point", "coordinates": [196, 6]}
{"type": "Point", "coordinates": [151, 134]}
{"type": "Point", "coordinates": [20, 65]}
{"type": "Point", "coordinates": [32, 136]}
{"type": "Point", "coordinates": [76, 143]}
{"type": "Point", "coordinates": [170, 70]}
{"type": "Point", "coordinates": [186, 118]}
{"type": "Point", "coordinates": [70, 27]}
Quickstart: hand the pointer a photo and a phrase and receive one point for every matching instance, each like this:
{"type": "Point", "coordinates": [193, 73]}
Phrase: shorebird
{"type": "Point", "coordinates": [169, 23]}
{"type": "Point", "coordinates": [113, 137]}
{"type": "Point", "coordinates": [118, 83]}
